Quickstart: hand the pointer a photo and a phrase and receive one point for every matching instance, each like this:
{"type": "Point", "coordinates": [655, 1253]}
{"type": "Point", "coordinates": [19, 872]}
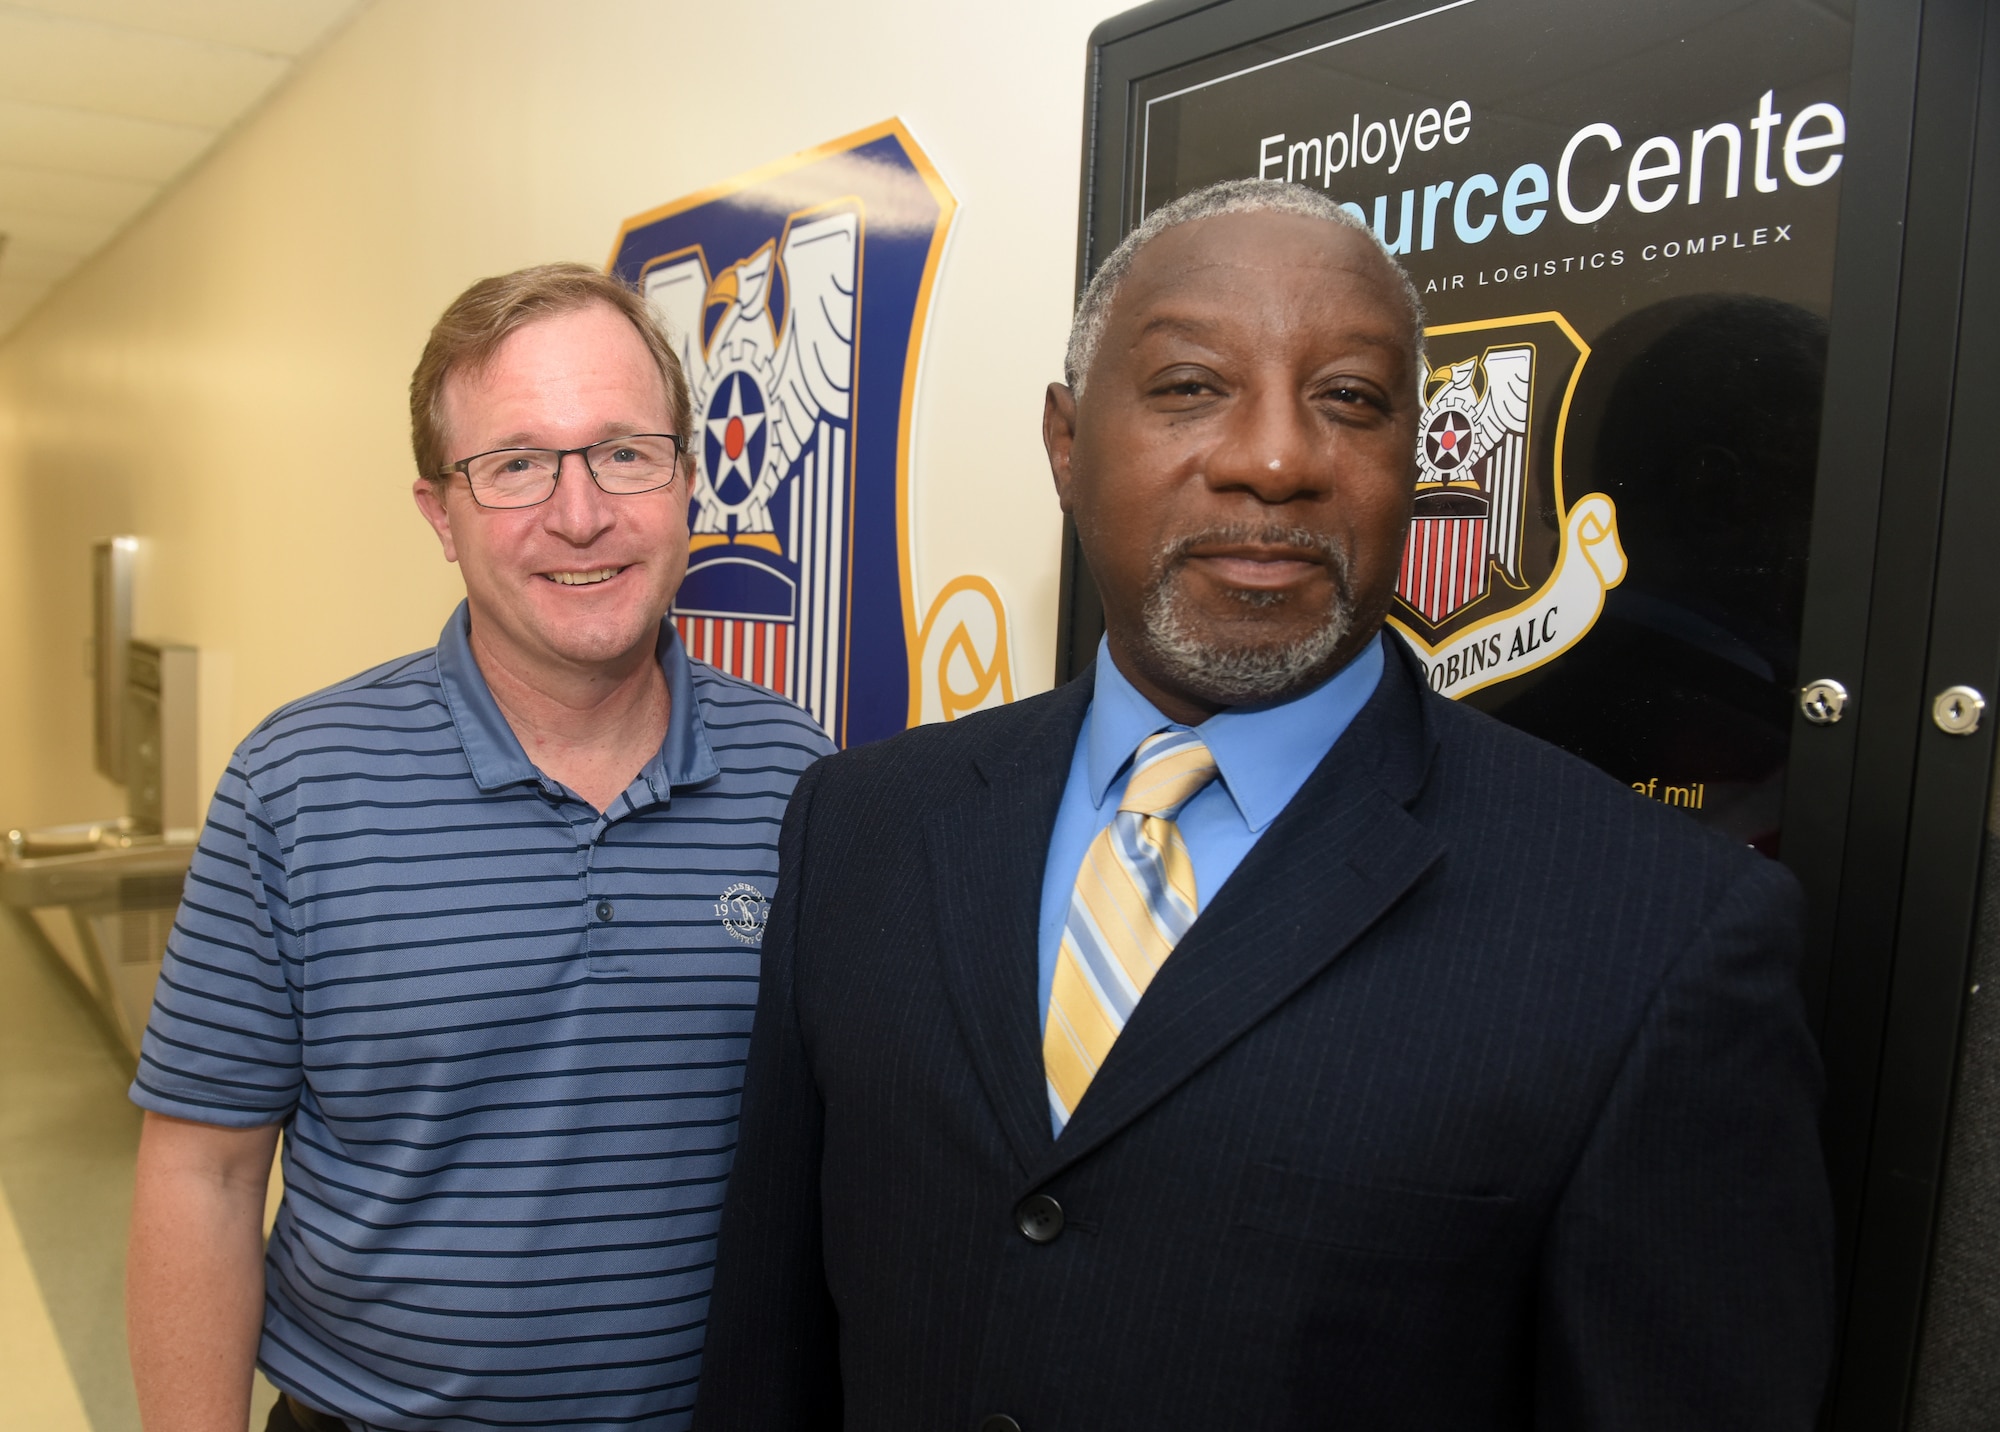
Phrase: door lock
{"type": "Point", "coordinates": [1823, 702]}
{"type": "Point", "coordinates": [1957, 710]}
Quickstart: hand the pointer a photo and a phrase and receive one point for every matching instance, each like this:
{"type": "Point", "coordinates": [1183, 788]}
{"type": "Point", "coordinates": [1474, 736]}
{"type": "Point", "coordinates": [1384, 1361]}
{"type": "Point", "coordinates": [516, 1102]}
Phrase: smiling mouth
{"type": "Point", "coordinates": [583, 579]}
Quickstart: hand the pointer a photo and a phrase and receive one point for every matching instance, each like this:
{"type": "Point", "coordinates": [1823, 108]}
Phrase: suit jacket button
{"type": "Point", "coordinates": [1040, 1219]}
{"type": "Point", "coordinates": [999, 1422]}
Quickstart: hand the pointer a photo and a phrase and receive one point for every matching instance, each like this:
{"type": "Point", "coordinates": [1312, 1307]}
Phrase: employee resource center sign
{"type": "Point", "coordinates": [1656, 176]}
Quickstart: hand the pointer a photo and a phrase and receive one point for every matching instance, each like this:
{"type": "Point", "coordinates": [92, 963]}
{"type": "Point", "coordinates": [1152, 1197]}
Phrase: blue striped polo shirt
{"type": "Point", "coordinates": [505, 1034]}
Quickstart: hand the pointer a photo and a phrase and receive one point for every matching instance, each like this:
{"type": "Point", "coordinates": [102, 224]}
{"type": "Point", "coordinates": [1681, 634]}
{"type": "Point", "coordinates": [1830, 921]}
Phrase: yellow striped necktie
{"type": "Point", "coordinates": [1134, 899]}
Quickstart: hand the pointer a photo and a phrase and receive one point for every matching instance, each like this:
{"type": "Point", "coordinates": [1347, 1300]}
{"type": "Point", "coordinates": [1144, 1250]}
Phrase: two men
{"type": "Point", "coordinates": [1243, 1036]}
{"type": "Point", "coordinates": [454, 926]}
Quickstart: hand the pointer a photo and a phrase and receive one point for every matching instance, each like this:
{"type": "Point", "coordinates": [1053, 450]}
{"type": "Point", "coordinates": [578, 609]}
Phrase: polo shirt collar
{"type": "Point", "coordinates": [1263, 753]}
{"type": "Point", "coordinates": [685, 757]}
{"type": "Point", "coordinates": [494, 751]}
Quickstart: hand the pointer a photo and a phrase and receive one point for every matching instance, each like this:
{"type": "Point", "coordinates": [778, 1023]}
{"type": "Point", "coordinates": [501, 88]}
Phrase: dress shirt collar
{"type": "Point", "coordinates": [1263, 753]}
{"type": "Point", "coordinates": [495, 753]}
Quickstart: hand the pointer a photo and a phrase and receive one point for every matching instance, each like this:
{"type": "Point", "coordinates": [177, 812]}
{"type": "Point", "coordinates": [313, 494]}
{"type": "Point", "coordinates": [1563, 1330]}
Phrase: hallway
{"type": "Point", "coordinates": [67, 1141]}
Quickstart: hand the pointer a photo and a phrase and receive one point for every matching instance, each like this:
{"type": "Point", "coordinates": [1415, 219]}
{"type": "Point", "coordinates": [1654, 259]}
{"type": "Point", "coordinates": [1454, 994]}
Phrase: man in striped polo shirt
{"type": "Point", "coordinates": [478, 929]}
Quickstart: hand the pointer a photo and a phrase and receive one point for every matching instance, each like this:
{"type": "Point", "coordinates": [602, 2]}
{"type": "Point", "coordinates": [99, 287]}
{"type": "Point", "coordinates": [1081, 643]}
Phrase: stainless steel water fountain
{"type": "Point", "coordinates": [103, 894]}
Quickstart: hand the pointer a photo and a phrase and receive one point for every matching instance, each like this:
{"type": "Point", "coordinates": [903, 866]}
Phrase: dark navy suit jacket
{"type": "Point", "coordinates": [1479, 1097]}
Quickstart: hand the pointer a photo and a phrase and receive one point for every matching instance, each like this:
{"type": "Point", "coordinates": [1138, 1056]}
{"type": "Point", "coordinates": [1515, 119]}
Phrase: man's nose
{"type": "Point", "coordinates": [1274, 447]}
{"type": "Point", "coordinates": [579, 510]}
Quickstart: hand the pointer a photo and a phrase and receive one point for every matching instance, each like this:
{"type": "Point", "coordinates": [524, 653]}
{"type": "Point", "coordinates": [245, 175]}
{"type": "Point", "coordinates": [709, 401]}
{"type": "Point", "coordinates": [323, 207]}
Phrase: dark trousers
{"type": "Point", "coordinates": [291, 1415]}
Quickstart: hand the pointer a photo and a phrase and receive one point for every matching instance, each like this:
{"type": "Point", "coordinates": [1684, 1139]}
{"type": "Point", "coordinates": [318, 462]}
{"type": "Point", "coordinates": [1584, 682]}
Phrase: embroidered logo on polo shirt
{"type": "Point", "coordinates": [743, 909]}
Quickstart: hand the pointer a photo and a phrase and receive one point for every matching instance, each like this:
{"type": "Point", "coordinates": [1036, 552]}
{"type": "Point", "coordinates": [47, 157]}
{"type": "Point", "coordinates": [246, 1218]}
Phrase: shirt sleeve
{"type": "Point", "coordinates": [222, 1044]}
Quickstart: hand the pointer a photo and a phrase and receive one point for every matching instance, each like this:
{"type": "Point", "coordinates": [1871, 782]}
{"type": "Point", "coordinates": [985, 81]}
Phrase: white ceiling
{"type": "Point", "coordinates": [105, 103]}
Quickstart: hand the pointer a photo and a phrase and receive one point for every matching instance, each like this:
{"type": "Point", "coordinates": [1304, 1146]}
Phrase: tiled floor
{"type": "Point", "coordinates": [67, 1140]}
{"type": "Point", "coordinates": [42, 1394]}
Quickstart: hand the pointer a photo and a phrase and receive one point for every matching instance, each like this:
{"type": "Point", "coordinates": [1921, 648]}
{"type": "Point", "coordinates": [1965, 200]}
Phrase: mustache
{"type": "Point", "coordinates": [1253, 534]}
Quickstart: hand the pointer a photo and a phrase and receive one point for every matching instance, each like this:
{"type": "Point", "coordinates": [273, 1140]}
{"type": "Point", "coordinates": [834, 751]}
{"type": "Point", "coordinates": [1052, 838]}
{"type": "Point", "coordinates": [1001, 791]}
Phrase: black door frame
{"type": "Point", "coordinates": [1944, 524]}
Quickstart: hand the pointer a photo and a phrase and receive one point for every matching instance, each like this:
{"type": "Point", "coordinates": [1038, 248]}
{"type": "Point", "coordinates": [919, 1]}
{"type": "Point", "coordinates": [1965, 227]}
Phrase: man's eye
{"type": "Point", "coordinates": [518, 464]}
{"type": "Point", "coordinates": [623, 454]}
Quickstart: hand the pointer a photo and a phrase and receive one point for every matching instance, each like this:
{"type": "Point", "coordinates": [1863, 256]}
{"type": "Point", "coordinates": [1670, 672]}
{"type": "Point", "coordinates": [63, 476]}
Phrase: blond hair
{"type": "Point", "coordinates": [478, 321]}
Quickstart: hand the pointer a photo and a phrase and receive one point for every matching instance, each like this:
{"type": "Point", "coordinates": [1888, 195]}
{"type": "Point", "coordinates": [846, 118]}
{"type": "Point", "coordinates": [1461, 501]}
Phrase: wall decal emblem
{"type": "Point", "coordinates": [798, 294]}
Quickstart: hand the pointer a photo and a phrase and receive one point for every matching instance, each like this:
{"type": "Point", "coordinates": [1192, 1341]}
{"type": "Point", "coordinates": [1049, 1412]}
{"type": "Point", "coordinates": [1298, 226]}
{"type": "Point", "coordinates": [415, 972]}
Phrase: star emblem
{"type": "Point", "coordinates": [1446, 440]}
{"type": "Point", "coordinates": [730, 430]}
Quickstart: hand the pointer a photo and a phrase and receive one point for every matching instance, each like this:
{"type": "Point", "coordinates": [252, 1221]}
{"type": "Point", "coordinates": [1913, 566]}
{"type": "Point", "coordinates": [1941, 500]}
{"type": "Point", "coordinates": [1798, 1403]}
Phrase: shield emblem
{"type": "Point", "coordinates": [797, 296]}
{"type": "Point", "coordinates": [1471, 454]}
{"type": "Point", "coordinates": [1500, 574]}
{"type": "Point", "coordinates": [1445, 559]}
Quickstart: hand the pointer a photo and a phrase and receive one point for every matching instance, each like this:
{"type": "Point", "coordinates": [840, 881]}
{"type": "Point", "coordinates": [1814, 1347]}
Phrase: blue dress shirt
{"type": "Point", "coordinates": [1263, 754]}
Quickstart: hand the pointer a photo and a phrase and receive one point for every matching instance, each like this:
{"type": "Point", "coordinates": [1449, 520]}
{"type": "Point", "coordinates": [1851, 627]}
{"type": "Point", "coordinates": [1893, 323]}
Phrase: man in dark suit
{"type": "Point", "coordinates": [1242, 1035]}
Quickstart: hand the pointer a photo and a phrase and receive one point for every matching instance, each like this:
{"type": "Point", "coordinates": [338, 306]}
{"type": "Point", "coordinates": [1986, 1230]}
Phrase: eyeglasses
{"type": "Point", "coordinates": [524, 477]}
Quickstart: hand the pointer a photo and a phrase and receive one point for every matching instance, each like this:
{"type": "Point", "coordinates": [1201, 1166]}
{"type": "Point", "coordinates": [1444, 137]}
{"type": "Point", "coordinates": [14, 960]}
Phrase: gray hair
{"type": "Point", "coordinates": [1232, 196]}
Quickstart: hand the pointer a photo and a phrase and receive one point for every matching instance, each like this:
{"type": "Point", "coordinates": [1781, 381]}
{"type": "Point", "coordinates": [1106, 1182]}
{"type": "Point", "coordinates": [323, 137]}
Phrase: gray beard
{"type": "Point", "coordinates": [1235, 676]}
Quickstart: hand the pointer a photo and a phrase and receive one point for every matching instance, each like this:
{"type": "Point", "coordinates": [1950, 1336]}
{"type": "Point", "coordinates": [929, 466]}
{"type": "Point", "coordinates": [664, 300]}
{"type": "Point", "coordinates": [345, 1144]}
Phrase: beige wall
{"type": "Point", "coordinates": [227, 379]}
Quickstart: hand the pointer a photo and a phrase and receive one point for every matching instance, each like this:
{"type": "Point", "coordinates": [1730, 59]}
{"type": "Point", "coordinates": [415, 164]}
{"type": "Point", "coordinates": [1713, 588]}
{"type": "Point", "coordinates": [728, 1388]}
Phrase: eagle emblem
{"type": "Point", "coordinates": [797, 295]}
{"type": "Point", "coordinates": [773, 403]}
{"type": "Point", "coordinates": [1465, 524]}
{"type": "Point", "coordinates": [765, 398]}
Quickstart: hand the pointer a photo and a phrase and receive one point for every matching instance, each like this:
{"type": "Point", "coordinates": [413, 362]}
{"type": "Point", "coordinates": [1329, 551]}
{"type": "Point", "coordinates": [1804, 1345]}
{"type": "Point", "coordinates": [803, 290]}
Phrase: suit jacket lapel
{"type": "Point", "coordinates": [1338, 857]}
{"type": "Point", "coordinates": [988, 851]}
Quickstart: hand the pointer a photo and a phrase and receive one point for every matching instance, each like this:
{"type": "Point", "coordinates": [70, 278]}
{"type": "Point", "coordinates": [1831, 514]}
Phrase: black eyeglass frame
{"type": "Point", "coordinates": [464, 464]}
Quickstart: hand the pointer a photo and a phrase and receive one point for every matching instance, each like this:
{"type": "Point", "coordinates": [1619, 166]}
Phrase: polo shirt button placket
{"type": "Point", "coordinates": [598, 911]}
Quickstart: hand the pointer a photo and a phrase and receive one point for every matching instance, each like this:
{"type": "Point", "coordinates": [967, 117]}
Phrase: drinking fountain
{"type": "Point", "coordinates": [103, 893]}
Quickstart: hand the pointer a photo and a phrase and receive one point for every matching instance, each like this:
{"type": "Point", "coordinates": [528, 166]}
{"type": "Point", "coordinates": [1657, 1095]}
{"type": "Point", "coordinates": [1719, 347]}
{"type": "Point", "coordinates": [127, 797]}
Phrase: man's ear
{"type": "Point", "coordinates": [430, 502]}
{"type": "Point", "coordinates": [1059, 436]}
